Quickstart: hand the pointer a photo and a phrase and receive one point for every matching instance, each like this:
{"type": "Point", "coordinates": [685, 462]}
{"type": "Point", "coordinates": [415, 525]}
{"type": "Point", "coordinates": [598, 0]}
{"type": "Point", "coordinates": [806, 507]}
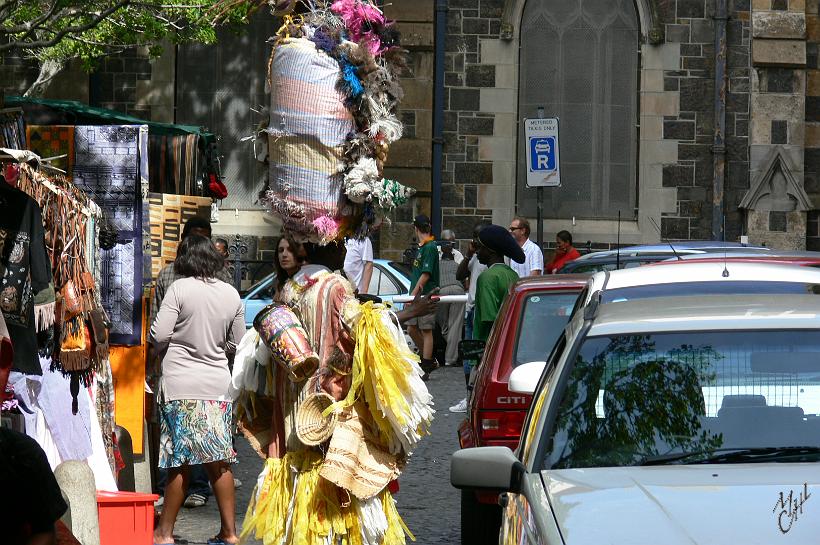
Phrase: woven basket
{"type": "Point", "coordinates": [311, 427]}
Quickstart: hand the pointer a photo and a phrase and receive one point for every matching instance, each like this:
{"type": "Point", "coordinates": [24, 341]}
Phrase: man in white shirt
{"type": "Point", "coordinates": [534, 264]}
{"type": "Point", "coordinates": [359, 262]}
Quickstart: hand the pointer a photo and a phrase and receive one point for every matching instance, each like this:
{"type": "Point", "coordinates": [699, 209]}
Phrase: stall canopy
{"type": "Point", "coordinates": [77, 113]}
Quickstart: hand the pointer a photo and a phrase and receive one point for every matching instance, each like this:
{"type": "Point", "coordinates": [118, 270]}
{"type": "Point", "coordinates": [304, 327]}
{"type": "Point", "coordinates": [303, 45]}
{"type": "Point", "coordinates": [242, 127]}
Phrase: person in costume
{"type": "Point", "coordinates": [494, 244]}
{"type": "Point", "coordinates": [335, 491]}
{"type": "Point", "coordinates": [197, 325]}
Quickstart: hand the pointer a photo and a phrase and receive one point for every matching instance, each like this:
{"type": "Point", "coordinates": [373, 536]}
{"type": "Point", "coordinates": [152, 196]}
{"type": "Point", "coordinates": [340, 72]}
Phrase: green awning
{"type": "Point", "coordinates": [92, 115]}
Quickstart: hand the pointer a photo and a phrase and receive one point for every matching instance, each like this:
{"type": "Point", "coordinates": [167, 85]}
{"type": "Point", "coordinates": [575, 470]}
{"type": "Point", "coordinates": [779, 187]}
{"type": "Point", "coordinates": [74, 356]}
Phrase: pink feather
{"type": "Point", "coordinates": [355, 13]}
{"type": "Point", "coordinates": [327, 228]}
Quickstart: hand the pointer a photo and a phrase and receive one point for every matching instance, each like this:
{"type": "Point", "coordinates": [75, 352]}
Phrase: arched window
{"type": "Point", "coordinates": [579, 61]}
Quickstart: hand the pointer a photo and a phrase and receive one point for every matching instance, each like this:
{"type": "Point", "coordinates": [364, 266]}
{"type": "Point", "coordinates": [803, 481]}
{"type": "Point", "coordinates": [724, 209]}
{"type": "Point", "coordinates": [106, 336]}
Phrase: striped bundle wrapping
{"type": "Point", "coordinates": [309, 124]}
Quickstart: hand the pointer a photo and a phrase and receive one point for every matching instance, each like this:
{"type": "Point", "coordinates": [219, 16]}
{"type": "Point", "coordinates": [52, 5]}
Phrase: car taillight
{"type": "Point", "coordinates": [500, 424]}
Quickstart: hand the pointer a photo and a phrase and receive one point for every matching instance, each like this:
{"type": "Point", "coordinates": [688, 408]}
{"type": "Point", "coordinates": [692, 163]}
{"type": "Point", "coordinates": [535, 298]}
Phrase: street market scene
{"type": "Point", "coordinates": [445, 272]}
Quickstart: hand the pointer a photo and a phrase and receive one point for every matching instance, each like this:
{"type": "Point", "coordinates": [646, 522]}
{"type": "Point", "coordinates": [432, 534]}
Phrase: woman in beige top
{"type": "Point", "coordinates": [200, 320]}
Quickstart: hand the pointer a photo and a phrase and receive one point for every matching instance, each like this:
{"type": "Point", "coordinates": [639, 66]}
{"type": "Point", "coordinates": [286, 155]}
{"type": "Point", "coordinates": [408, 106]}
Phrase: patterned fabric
{"type": "Point", "coordinates": [51, 141]}
{"type": "Point", "coordinates": [195, 432]}
{"type": "Point", "coordinates": [308, 125]}
{"type": "Point", "coordinates": [12, 130]}
{"type": "Point", "coordinates": [173, 163]}
{"type": "Point", "coordinates": [24, 271]}
{"type": "Point", "coordinates": [167, 215]}
{"type": "Point", "coordinates": [107, 160]}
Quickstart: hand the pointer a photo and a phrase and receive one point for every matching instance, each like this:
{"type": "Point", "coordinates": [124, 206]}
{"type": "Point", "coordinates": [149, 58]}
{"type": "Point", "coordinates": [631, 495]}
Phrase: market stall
{"type": "Point", "coordinates": [61, 384]}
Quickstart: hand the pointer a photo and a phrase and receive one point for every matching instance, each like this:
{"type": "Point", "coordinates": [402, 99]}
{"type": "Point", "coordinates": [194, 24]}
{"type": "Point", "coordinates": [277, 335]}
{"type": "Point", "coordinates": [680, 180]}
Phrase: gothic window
{"type": "Point", "coordinates": [579, 61]}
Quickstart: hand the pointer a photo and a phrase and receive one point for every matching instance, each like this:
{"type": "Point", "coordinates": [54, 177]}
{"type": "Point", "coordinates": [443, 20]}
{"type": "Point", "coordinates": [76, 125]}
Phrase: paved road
{"type": "Point", "coordinates": [429, 505]}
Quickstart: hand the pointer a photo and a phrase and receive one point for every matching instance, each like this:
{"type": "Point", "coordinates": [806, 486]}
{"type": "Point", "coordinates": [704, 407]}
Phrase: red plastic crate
{"type": "Point", "coordinates": [126, 518]}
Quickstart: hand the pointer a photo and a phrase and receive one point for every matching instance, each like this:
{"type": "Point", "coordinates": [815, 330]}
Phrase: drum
{"type": "Point", "coordinates": [281, 330]}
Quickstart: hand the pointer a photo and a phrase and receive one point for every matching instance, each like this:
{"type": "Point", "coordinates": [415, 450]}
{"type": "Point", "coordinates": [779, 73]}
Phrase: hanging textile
{"type": "Point", "coordinates": [167, 214]}
{"type": "Point", "coordinates": [107, 160]}
{"type": "Point", "coordinates": [24, 271]}
{"type": "Point", "coordinates": [173, 163]}
{"type": "Point", "coordinates": [53, 141]}
{"type": "Point", "coordinates": [12, 129]}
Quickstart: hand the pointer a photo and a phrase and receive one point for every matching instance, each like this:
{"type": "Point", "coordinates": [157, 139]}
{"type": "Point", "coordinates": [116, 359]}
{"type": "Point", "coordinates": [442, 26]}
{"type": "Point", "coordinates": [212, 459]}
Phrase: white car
{"type": "Point", "coordinates": [673, 420]}
{"type": "Point", "coordinates": [698, 278]}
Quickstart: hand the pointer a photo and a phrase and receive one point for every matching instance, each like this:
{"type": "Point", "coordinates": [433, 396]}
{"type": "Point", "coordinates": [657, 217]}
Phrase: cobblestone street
{"type": "Point", "coordinates": [429, 505]}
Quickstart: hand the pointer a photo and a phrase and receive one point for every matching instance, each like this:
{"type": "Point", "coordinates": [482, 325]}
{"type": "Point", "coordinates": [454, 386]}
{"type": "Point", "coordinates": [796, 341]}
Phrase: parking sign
{"type": "Point", "coordinates": [543, 165]}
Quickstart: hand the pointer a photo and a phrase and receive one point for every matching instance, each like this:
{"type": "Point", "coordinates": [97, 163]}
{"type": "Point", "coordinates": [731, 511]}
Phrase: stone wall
{"type": "Point", "coordinates": [409, 160]}
{"type": "Point", "coordinates": [812, 131]}
{"type": "Point", "coordinates": [675, 164]}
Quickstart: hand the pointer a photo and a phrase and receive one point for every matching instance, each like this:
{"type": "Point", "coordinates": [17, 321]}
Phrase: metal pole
{"type": "Point", "coordinates": [238, 249]}
{"type": "Point", "coordinates": [540, 218]}
{"type": "Point", "coordinates": [540, 201]}
{"type": "Point", "coordinates": [438, 114]}
{"type": "Point", "coordinates": [719, 146]}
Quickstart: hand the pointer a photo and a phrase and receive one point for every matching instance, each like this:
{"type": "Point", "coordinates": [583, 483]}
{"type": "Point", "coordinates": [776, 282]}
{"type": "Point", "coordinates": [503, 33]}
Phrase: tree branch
{"type": "Point", "coordinates": [60, 34]}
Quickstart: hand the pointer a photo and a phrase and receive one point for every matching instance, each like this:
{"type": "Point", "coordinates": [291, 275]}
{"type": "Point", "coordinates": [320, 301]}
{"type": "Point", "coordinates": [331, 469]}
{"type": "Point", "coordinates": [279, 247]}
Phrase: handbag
{"type": "Point", "coordinates": [70, 300]}
{"type": "Point", "coordinates": [75, 348]}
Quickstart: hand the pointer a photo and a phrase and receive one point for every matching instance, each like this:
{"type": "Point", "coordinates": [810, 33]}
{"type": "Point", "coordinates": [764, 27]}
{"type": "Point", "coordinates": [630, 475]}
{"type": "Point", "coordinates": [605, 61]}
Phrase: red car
{"type": "Point", "coordinates": [529, 322]}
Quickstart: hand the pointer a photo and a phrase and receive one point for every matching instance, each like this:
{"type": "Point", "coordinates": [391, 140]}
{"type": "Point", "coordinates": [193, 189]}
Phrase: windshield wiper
{"type": "Point", "coordinates": [736, 455]}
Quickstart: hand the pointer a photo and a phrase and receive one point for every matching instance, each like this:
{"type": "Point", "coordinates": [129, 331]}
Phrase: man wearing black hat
{"type": "Point", "coordinates": [494, 244]}
{"type": "Point", "coordinates": [424, 279]}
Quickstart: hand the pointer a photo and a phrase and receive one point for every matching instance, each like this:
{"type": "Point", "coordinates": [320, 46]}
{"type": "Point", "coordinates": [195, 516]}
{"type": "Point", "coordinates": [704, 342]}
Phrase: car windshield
{"type": "Point", "coordinates": [403, 268]}
{"type": "Point", "coordinates": [632, 293]}
{"type": "Point", "coordinates": [543, 319]}
{"type": "Point", "coordinates": [694, 397]}
{"type": "Point", "coordinates": [268, 285]}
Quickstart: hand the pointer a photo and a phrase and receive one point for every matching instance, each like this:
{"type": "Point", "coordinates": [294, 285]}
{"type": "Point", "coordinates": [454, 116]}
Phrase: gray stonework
{"type": "Point", "coordinates": [766, 105]}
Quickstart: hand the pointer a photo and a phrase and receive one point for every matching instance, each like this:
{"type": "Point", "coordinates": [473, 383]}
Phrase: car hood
{"type": "Point", "coordinates": [701, 504]}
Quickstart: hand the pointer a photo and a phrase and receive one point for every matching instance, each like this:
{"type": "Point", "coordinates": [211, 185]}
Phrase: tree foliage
{"type": "Point", "coordinates": [56, 31]}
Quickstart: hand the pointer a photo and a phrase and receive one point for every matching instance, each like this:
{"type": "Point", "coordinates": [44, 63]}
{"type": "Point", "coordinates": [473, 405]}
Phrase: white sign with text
{"type": "Point", "coordinates": [543, 163]}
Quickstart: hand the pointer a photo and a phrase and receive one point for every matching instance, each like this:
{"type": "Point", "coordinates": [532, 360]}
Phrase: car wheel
{"type": "Point", "coordinates": [480, 522]}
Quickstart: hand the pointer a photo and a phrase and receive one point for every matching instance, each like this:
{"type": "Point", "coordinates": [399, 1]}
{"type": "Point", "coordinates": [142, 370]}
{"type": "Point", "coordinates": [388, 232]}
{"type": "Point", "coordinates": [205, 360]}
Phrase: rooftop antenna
{"type": "Point", "coordinates": [658, 229]}
{"type": "Point", "coordinates": [618, 242]}
{"type": "Point", "coordinates": [725, 272]}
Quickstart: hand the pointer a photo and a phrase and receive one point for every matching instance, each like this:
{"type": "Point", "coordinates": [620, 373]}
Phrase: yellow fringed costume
{"type": "Point", "coordinates": [363, 346]}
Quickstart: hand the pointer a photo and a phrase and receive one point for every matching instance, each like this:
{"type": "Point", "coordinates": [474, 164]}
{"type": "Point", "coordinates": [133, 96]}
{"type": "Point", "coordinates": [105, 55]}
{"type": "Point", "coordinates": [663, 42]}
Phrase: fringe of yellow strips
{"type": "Point", "coordinates": [318, 509]}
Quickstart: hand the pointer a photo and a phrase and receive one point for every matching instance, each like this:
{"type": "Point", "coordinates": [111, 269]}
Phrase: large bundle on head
{"type": "Point", "coordinates": [334, 98]}
{"type": "Point", "coordinates": [309, 126]}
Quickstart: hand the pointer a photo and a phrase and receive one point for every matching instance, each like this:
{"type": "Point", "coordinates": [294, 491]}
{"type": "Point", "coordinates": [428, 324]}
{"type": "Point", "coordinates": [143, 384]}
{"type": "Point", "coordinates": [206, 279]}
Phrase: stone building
{"type": "Point", "coordinates": [696, 115]}
{"type": "Point", "coordinates": [696, 118]}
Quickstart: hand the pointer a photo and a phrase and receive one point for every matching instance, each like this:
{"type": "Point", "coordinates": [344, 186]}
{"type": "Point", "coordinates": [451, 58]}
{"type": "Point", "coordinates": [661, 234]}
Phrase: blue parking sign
{"type": "Point", "coordinates": [542, 154]}
{"type": "Point", "coordinates": [542, 149]}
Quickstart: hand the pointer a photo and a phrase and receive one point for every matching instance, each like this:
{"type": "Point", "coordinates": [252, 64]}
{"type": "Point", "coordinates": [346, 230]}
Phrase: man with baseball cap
{"type": "Point", "coordinates": [494, 244]}
{"type": "Point", "coordinates": [423, 280]}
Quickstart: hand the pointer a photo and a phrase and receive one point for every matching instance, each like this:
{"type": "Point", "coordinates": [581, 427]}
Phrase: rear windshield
{"type": "Point", "coordinates": [688, 396]}
{"type": "Point", "coordinates": [544, 317]}
{"type": "Point", "coordinates": [708, 288]}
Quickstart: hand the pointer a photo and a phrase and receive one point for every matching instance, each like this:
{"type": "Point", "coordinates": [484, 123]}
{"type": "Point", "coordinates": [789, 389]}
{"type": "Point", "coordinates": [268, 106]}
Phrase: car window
{"type": "Point", "coordinates": [268, 287]}
{"type": "Point", "coordinates": [381, 283]}
{"type": "Point", "coordinates": [543, 318]}
{"type": "Point", "coordinates": [528, 446]}
{"type": "Point", "coordinates": [633, 398]}
{"type": "Point", "coordinates": [707, 288]}
{"type": "Point", "coordinates": [402, 268]}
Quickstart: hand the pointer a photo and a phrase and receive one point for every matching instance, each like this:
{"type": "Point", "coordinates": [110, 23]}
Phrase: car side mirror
{"type": "Point", "coordinates": [524, 378]}
{"type": "Point", "coordinates": [486, 468]}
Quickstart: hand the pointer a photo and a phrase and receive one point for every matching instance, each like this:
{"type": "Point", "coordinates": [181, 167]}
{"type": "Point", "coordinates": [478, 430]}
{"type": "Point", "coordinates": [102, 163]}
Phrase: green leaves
{"type": "Point", "coordinates": [60, 30]}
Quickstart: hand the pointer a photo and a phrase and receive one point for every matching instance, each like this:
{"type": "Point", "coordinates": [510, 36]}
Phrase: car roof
{"type": "Point", "coordinates": [708, 313]}
{"type": "Point", "coordinates": [551, 281]}
{"type": "Point", "coordinates": [698, 271]}
{"type": "Point", "coordinates": [682, 248]}
{"type": "Point", "coordinates": [750, 256]}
